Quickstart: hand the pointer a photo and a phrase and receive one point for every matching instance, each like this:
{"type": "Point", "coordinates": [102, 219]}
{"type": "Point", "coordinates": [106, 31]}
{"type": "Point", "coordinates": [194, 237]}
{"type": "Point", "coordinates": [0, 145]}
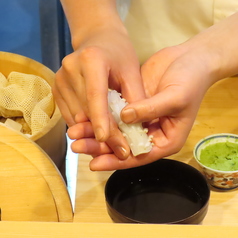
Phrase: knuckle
{"type": "Point", "coordinates": [68, 62]}
{"type": "Point", "coordinates": [93, 95]}
{"type": "Point", "coordinates": [58, 78]}
{"type": "Point", "coordinates": [90, 53]}
{"type": "Point", "coordinates": [153, 111]}
{"type": "Point", "coordinates": [149, 112]}
{"type": "Point", "coordinates": [179, 102]}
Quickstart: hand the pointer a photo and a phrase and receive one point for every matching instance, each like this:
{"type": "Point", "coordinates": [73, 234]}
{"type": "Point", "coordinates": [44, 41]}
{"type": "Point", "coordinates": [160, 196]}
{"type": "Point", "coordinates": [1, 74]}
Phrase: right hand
{"type": "Point", "coordinates": [105, 59]}
{"type": "Point", "coordinates": [175, 79]}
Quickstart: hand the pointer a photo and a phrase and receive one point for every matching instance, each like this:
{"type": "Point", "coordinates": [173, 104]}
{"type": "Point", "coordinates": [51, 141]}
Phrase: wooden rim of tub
{"type": "Point", "coordinates": [23, 64]}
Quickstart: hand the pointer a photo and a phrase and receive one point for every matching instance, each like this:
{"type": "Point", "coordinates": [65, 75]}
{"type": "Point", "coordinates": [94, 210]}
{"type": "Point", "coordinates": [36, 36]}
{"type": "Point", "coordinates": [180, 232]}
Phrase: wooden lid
{"type": "Point", "coordinates": [31, 187]}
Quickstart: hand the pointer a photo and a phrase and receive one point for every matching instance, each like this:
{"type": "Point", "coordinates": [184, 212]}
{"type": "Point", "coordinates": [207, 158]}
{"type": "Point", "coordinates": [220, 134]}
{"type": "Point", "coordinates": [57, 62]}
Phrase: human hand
{"type": "Point", "coordinates": [175, 80]}
{"type": "Point", "coordinates": [105, 59]}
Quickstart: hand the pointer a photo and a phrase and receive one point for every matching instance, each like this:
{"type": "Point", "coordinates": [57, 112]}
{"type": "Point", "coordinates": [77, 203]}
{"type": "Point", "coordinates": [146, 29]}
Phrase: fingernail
{"type": "Point", "coordinates": [121, 152]}
{"type": "Point", "coordinates": [129, 115]}
{"type": "Point", "coordinates": [99, 134]}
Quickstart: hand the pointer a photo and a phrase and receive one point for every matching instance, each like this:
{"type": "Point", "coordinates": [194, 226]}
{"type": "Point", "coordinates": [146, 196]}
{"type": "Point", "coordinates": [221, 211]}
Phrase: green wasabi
{"type": "Point", "coordinates": [220, 156]}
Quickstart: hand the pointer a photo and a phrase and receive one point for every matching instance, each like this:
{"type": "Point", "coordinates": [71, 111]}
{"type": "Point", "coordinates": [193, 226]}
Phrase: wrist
{"type": "Point", "coordinates": [218, 45]}
{"type": "Point", "coordinates": [103, 28]}
{"type": "Point", "coordinates": [208, 59]}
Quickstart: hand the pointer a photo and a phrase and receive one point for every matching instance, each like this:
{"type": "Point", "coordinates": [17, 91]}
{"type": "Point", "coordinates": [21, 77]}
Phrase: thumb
{"type": "Point", "coordinates": [133, 89]}
{"type": "Point", "coordinates": [162, 104]}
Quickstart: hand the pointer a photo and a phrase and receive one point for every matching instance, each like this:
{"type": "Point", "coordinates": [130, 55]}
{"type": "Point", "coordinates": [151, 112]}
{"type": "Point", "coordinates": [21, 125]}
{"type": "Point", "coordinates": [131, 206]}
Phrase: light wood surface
{"type": "Point", "coordinates": [218, 113]}
{"type": "Point", "coordinates": [105, 230]}
{"type": "Point", "coordinates": [31, 187]}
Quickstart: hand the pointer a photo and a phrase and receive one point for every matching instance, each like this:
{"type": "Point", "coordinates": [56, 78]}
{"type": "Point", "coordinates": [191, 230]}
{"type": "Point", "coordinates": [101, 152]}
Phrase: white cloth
{"type": "Point", "coordinates": [155, 24]}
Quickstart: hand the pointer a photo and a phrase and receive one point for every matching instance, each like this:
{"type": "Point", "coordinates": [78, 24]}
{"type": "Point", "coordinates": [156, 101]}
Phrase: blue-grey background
{"type": "Point", "coordinates": [36, 29]}
{"type": "Point", "coordinates": [20, 27]}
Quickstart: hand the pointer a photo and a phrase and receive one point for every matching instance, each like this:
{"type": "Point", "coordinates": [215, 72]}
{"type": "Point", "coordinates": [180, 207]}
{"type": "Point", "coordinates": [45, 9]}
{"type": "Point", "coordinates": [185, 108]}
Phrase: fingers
{"type": "Point", "coordinates": [166, 103]}
{"type": "Point", "coordinates": [169, 122]}
{"type": "Point", "coordinates": [132, 85]}
{"type": "Point", "coordinates": [80, 117]}
{"type": "Point", "coordinates": [81, 130]}
{"type": "Point", "coordinates": [64, 109]}
{"type": "Point", "coordinates": [117, 141]}
{"type": "Point", "coordinates": [65, 96]}
{"type": "Point", "coordinates": [106, 162]}
{"type": "Point", "coordinates": [109, 162]}
{"type": "Point", "coordinates": [168, 139]}
{"type": "Point", "coordinates": [90, 146]}
{"type": "Point", "coordinates": [86, 143]}
{"type": "Point", "coordinates": [81, 92]}
{"type": "Point", "coordinates": [93, 147]}
{"type": "Point", "coordinates": [96, 72]}
{"type": "Point", "coordinates": [169, 134]}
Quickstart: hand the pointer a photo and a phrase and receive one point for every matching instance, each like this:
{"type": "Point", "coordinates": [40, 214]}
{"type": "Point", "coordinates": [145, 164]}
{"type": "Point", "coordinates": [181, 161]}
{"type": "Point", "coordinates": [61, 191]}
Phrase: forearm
{"type": "Point", "coordinates": [228, 41]}
{"type": "Point", "coordinates": [220, 44]}
{"type": "Point", "coordinates": [85, 17]}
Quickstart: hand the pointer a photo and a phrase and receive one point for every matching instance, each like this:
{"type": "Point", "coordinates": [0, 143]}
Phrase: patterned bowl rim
{"type": "Point", "coordinates": [208, 138]}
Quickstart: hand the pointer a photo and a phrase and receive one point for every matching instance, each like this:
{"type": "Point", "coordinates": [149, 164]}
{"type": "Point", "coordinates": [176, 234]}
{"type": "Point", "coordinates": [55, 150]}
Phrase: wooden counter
{"type": "Point", "coordinates": [105, 230]}
{"type": "Point", "coordinates": [218, 113]}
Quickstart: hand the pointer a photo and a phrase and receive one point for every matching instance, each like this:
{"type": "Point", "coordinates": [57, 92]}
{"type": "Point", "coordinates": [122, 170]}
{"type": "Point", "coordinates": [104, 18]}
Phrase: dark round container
{"type": "Point", "coordinates": [165, 191]}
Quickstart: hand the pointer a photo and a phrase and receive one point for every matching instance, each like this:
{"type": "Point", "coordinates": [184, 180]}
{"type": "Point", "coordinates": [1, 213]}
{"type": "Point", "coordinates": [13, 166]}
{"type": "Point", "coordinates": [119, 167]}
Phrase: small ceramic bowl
{"type": "Point", "coordinates": [217, 171]}
{"type": "Point", "coordinates": [166, 192]}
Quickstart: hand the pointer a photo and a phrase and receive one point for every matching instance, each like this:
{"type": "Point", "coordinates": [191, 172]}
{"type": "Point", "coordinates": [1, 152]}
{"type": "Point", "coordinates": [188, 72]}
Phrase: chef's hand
{"type": "Point", "coordinates": [175, 80]}
{"type": "Point", "coordinates": [105, 60]}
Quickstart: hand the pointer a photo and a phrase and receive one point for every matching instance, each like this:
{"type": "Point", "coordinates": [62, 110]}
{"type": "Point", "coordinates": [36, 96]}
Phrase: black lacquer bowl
{"type": "Point", "coordinates": [166, 191]}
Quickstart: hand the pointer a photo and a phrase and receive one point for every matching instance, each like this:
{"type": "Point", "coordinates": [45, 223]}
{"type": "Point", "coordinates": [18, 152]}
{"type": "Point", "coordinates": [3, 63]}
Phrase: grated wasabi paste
{"type": "Point", "coordinates": [220, 156]}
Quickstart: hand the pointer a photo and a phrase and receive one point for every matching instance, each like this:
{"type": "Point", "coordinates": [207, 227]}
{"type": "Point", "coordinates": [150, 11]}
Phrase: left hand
{"type": "Point", "coordinates": [175, 80]}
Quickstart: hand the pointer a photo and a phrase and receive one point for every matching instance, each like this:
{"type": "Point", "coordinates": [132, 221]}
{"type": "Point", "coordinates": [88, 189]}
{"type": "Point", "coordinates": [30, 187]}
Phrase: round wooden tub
{"type": "Point", "coordinates": [52, 139]}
